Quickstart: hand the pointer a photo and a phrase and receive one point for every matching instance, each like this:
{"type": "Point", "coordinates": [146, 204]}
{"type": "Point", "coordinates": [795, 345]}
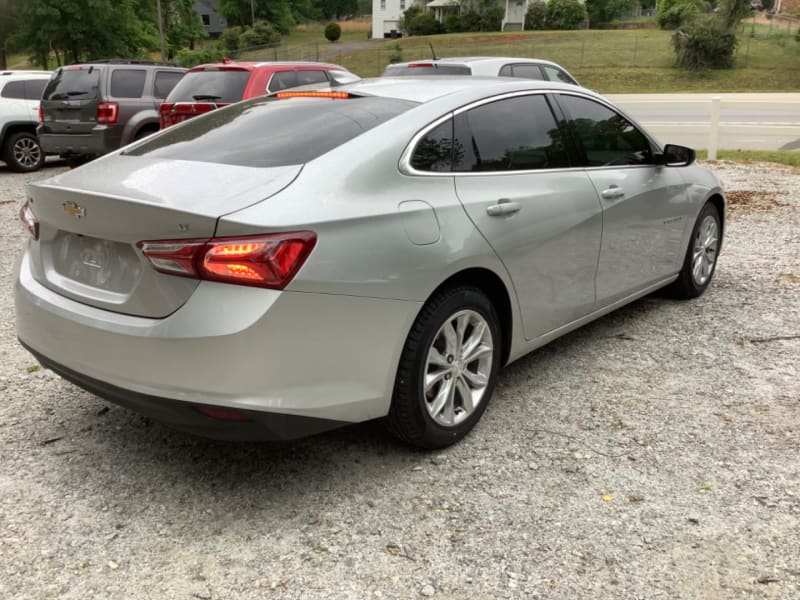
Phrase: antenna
{"type": "Point", "coordinates": [433, 52]}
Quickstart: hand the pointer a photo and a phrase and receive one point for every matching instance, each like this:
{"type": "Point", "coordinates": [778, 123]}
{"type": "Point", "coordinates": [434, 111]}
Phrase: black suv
{"type": "Point", "coordinates": [91, 109]}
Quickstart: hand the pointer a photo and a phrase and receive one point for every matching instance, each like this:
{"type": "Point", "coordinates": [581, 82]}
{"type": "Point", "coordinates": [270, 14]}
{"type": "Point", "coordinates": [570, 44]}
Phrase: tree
{"type": "Point", "coordinates": [336, 9]}
{"type": "Point", "coordinates": [565, 14]}
{"type": "Point", "coordinates": [708, 40]}
{"type": "Point", "coordinates": [277, 12]}
{"type": "Point", "coordinates": [8, 24]}
{"type": "Point", "coordinates": [78, 30]}
{"type": "Point", "coordinates": [602, 12]}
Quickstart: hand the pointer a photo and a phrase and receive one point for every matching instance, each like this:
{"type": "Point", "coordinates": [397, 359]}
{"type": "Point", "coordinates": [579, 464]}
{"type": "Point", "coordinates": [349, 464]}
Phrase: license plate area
{"type": "Point", "coordinates": [101, 264]}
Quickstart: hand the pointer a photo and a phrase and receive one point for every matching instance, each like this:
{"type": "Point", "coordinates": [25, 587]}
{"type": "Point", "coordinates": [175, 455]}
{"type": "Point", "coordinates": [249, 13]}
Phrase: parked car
{"type": "Point", "coordinates": [94, 108]}
{"type": "Point", "coordinates": [20, 92]}
{"type": "Point", "coordinates": [212, 86]}
{"type": "Point", "coordinates": [524, 68]}
{"type": "Point", "coordinates": [302, 261]}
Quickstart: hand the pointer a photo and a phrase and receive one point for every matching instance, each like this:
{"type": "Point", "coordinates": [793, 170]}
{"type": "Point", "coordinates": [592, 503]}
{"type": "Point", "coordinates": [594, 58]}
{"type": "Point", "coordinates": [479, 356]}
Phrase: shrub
{"type": "Point", "coordinates": [493, 19]}
{"type": "Point", "coordinates": [452, 23]}
{"type": "Point", "coordinates": [333, 32]}
{"type": "Point", "coordinates": [231, 38]}
{"type": "Point", "coordinates": [424, 24]}
{"type": "Point", "coordinates": [704, 44]}
{"type": "Point", "coordinates": [191, 58]}
{"type": "Point", "coordinates": [565, 14]}
{"type": "Point", "coordinates": [408, 16]}
{"type": "Point", "coordinates": [397, 54]}
{"type": "Point", "coordinates": [536, 17]}
{"type": "Point", "coordinates": [797, 35]}
{"type": "Point", "coordinates": [674, 13]}
{"type": "Point", "coordinates": [262, 33]}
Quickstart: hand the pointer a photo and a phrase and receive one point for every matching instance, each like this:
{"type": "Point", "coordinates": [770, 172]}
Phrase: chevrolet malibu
{"type": "Point", "coordinates": [298, 262]}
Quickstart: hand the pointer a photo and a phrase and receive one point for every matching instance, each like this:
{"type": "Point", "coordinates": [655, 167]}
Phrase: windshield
{"type": "Point", "coordinates": [268, 132]}
{"type": "Point", "coordinates": [73, 83]}
{"type": "Point", "coordinates": [210, 86]}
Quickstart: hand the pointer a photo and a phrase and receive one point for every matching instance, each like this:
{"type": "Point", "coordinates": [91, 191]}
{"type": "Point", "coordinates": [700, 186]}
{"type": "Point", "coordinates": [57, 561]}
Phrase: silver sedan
{"type": "Point", "coordinates": [299, 262]}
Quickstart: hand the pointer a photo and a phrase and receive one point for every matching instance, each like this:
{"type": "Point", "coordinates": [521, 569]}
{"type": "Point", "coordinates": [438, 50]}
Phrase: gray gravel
{"type": "Point", "coordinates": [652, 454]}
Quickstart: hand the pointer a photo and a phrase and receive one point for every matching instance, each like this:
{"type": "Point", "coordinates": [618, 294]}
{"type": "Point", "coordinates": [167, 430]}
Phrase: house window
{"type": "Point", "coordinates": [402, 4]}
{"type": "Point", "coordinates": [206, 20]}
{"type": "Point", "coordinates": [383, 4]}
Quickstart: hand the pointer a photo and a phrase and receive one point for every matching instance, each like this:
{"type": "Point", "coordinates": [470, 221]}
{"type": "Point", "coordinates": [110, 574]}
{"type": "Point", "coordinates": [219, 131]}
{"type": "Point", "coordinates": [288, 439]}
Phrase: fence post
{"type": "Point", "coordinates": [713, 134]}
{"type": "Point", "coordinates": [316, 50]}
{"type": "Point", "coordinates": [635, 48]}
{"type": "Point", "coordinates": [583, 45]}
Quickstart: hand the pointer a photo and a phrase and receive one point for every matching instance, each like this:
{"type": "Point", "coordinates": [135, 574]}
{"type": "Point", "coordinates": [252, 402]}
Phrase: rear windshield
{"type": "Point", "coordinates": [267, 132]}
{"type": "Point", "coordinates": [426, 69]}
{"type": "Point", "coordinates": [210, 86]}
{"type": "Point", "coordinates": [73, 83]}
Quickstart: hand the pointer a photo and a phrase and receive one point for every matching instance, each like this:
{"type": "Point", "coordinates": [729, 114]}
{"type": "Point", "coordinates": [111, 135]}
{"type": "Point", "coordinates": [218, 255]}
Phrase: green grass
{"type": "Point", "coordinates": [783, 157]}
{"type": "Point", "coordinates": [609, 61]}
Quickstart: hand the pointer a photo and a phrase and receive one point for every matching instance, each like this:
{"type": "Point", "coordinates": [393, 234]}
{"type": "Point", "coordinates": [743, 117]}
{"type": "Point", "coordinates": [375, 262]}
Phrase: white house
{"type": "Point", "coordinates": [386, 14]}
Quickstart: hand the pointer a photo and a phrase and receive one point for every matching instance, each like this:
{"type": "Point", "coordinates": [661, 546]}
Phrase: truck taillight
{"type": "Point", "coordinates": [271, 260]}
{"type": "Point", "coordinates": [41, 113]}
{"type": "Point", "coordinates": [107, 112]}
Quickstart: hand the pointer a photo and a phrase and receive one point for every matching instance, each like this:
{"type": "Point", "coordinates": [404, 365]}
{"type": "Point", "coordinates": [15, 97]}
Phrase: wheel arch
{"type": "Point", "coordinates": [490, 284]}
{"type": "Point", "coordinates": [17, 127]}
{"type": "Point", "coordinates": [717, 200]}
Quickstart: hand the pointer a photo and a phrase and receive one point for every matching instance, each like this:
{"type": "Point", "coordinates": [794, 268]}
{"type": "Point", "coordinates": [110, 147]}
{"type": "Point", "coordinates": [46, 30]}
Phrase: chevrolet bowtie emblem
{"type": "Point", "coordinates": [74, 210]}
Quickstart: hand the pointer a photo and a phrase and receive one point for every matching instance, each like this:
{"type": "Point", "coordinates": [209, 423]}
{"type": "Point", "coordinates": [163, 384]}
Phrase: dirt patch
{"type": "Point", "coordinates": [745, 202]}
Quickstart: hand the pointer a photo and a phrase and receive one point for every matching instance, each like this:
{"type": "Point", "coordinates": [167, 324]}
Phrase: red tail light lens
{"type": "Point", "coordinates": [269, 261]}
{"type": "Point", "coordinates": [29, 220]}
{"type": "Point", "coordinates": [41, 113]}
{"type": "Point", "coordinates": [107, 112]}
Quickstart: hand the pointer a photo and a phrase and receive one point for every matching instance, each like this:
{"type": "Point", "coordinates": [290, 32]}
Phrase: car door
{"type": "Point", "coordinates": [542, 218]}
{"type": "Point", "coordinates": [644, 204]}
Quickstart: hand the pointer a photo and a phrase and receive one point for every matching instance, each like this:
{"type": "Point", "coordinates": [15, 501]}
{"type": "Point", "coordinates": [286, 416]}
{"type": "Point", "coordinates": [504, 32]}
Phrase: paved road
{"type": "Point", "coordinates": [747, 121]}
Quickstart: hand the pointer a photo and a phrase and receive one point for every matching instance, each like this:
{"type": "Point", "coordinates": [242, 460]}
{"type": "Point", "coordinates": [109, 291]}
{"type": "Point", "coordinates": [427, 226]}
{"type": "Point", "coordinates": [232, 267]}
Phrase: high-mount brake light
{"type": "Point", "coordinates": [29, 220]}
{"type": "Point", "coordinates": [307, 94]}
{"type": "Point", "coordinates": [420, 65]}
{"type": "Point", "coordinates": [269, 260]}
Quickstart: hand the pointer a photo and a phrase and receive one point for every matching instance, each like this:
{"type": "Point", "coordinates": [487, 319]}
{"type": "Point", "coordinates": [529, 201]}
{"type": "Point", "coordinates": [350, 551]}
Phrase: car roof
{"type": "Point", "coordinates": [481, 60]}
{"type": "Point", "coordinates": [253, 65]}
{"type": "Point", "coordinates": [463, 87]}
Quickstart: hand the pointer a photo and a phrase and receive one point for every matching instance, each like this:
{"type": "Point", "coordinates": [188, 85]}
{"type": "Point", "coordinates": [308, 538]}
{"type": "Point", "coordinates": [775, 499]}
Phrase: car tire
{"type": "Point", "coordinates": [22, 152]}
{"type": "Point", "coordinates": [448, 369]}
{"type": "Point", "coordinates": [700, 261]}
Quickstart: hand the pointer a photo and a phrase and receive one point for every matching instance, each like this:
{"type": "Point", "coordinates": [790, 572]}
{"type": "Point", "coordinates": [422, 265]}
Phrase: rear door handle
{"type": "Point", "coordinates": [503, 207]}
{"type": "Point", "coordinates": [612, 193]}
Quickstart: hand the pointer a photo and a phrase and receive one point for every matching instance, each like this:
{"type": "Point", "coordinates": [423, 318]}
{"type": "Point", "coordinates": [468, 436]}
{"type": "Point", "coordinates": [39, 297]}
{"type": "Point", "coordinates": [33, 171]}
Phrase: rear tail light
{"type": "Point", "coordinates": [269, 261]}
{"type": "Point", "coordinates": [41, 113]}
{"type": "Point", "coordinates": [29, 220]}
{"type": "Point", "coordinates": [107, 112]}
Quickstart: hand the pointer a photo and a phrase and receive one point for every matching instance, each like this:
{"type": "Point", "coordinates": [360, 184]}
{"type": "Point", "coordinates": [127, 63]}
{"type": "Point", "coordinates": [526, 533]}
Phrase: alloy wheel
{"type": "Point", "coordinates": [706, 246]}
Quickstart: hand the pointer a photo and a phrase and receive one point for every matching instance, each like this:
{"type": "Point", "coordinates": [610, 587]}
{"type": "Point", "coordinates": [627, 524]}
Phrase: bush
{"type": "Point", "coordinates": [231, 38]}
{"type": "Point", "coordinates": [797, 35]}
{"type": "Point", "coordinates": [536, 17]}
{"type": "Point", "coordinates": [565, 14]}
{"type": "Point", "coordinates": [672, 14]}
{"type": "Point", "coordinates": [493, 19]}
{"type": "Point", "coordinates": [397, 54]}
{"type": "Point", "coordinates": [408, 16]}
{"type": "Point", "coordinates": [333, 32]}
{"type": "Point", "coordinates": [262, 33]}
{"type": "Point", "coordinates": [191, 58]}
{"type": "Point", "coordinates": [452, 23]}
{"type": "Point", "coordinates": [704, 44]}
{"type": "Point", "coordinates": [424, 24]}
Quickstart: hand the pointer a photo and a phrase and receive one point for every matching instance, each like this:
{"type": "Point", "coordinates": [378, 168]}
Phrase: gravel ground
{"type": "Point", "coordinates": [652, 454]}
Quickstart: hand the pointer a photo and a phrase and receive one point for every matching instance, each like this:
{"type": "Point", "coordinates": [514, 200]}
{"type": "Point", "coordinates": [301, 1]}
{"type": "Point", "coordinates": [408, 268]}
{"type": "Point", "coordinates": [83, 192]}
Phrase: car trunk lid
{"type": "Point", "coordinates": [202, 90]}
{"type": "Point", "coordinates": [87, 248]}
{"type": "Point", "coordinates": [69, 102]}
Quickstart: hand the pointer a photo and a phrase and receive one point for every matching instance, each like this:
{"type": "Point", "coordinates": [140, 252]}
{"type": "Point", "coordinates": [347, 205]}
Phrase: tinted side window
{"type": "Point", "coordinates": [505, 71]}
{"type": "Point", "coordinates": [127, 83]}
{"type": "Point", "coordinates": [34, 88]}
{"type": "Point", "coordinates": [14, 89]}
{"type": "Point", "coordinates": [607, 138]}
{"type": "Point", "coordinates": [516, 134]}
{"type": "Point", "coordinates": [554, 74]}
{"type": "Point", "coordinates": [434, 152]}
{"type": "Point", "coordinates": [306, 77]}
{"type": "Point", "coordinates": [164, 82]}
{"type": "Point", "coordinates": [527, 71]}
{"type": "Point", "coordinates": [282, 80]}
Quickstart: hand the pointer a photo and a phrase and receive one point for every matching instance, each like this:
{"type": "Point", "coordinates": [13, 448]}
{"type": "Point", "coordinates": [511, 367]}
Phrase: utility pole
{"type": "Point", "coordinates": [252, 12]}
{"type": "Point", "coordinates": [161, 31]}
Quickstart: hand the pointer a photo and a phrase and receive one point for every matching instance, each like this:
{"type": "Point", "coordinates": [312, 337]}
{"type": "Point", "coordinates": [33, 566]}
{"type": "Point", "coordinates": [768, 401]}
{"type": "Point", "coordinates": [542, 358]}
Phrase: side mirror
{"type": "Point", "coordinates": [676, 156]}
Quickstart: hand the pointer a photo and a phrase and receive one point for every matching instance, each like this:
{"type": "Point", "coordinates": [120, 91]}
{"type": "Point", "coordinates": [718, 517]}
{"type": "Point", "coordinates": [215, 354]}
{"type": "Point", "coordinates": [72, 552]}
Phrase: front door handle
{"type": "Point", "coordinates": [503, 207]}
{"type": "Point", "coordinates": [612, 193]}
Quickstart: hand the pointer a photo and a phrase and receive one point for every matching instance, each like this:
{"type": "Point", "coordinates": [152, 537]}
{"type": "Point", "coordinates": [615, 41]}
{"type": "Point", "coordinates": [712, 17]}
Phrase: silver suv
{"type": "Point", "coordinates": [94, 108]}
{"type": "Point", "coordinates": [20, 92]}
{"type": "Point", "coordinates": [484, 66]}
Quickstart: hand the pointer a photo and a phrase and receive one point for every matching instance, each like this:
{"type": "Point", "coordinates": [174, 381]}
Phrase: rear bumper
{"type": "Point", "coordinates": [317, 356]}
{"type": "Point", "coordinates": [101, 140]}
